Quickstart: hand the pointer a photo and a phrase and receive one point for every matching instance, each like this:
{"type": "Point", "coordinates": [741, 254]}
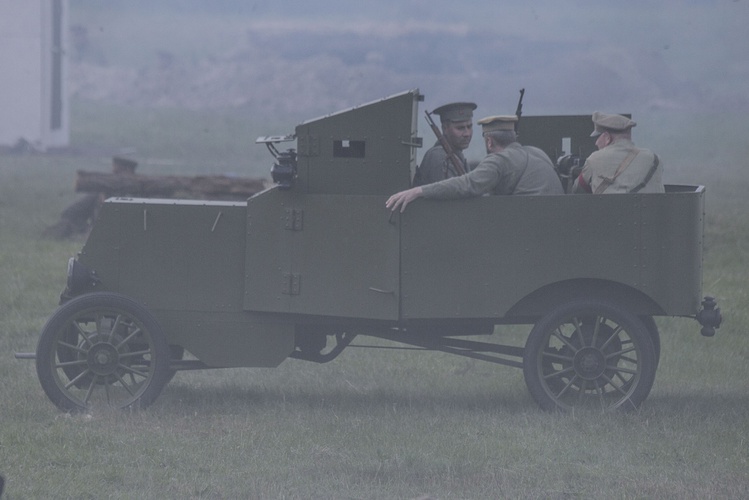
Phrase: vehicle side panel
{"type": "Point", "coordinates": [477, 258]}
{"type": "Point", "coordinates": [672, 227]}
{"type": "Point", "coordinates": [172, 255]}
{"type": "Point", "coordinates": [324, 255]}
{"type": "Point", "coordinates": [184, 261]}
{"type": "Point", "coordinates": [369, 149]}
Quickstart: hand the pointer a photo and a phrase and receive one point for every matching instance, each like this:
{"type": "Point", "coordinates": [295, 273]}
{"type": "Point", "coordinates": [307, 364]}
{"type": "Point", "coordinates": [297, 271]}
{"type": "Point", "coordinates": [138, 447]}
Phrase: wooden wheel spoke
{"type": "Point", "coordinates": [102, 349]}
{"type": "Point", "coordinates": [589, 353]}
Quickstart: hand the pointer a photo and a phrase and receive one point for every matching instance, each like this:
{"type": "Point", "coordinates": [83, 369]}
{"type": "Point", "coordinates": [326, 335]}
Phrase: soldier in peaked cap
{"type": "Point", "coordinates": [123, 166]}
{"type": "Point", "coordinates": [78, 218]}
{"type": "Point", "coordinates": [618, 166]}
{"type": "Point", "coordinates": [457, 127]}
{"type": "Point", "coordinates": [508, 168]}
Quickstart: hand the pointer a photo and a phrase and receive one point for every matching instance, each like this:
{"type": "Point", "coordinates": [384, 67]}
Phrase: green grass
{"type": "Point", "coordinates": [372, 424]}
{"type": "Point", "coordinates": [175, 141]}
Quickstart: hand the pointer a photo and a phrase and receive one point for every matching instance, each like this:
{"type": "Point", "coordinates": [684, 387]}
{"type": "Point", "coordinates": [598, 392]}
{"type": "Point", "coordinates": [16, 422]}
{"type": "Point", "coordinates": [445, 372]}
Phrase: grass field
{"type": "Point", "coordinates": [372, 424]}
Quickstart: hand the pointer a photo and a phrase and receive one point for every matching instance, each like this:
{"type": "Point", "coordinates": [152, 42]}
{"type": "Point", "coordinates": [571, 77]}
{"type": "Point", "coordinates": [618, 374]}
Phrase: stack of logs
{"type": "Point", "coordinates": [201, 187]}
{"type": "Point", "coordinates": [78, 217]}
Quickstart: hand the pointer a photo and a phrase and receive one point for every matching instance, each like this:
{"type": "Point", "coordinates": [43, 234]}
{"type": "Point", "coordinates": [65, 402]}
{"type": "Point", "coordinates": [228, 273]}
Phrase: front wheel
{"type": "Point", "coordinates": [589, 354]}
{"type": "Point", "coordinates": [102, 349]}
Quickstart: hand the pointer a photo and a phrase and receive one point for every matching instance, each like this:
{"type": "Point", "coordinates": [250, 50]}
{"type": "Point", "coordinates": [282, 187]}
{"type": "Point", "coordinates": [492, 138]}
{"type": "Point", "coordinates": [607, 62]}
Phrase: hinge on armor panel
{"type": "Point", "coordinates": [291, 283]}
{"type": "Point", "coordinates": [415, 142]}
{"type": "Point", "coordinates": [294, 219]}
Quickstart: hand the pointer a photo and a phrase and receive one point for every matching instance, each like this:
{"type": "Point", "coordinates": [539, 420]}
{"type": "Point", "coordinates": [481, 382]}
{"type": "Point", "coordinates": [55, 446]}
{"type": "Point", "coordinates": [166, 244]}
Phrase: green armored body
{"type": "Point", "coordinates": [301, 269]}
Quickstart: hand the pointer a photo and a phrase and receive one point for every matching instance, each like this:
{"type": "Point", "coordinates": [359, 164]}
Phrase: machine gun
{"type": "Point", "coordinates": [457, 163]}
{"type": "Point", "coordinates": [284, 171]}
{"type": "Point", "coordinates": [568, 168]}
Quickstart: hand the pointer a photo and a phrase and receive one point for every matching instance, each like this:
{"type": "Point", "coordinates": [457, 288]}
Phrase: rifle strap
{"type": "Point", "coordinates": [608, 181]}
{"type": "Point", "coordinates": [522, 172]}
{"type": "Point", "coordinates": [648, 176]}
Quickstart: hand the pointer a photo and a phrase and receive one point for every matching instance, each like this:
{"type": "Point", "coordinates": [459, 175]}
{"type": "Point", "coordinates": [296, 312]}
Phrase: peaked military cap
{"type": "Point", "coordinates": [603, 122]}
{"type": "Point", "coordinates": [499, 122]}
{"type": "Point", "coordinates": [456, 111]}
{"type": "Point", "coordinates": [122, 165]}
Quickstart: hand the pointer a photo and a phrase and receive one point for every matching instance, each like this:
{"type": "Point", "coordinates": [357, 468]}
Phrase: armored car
{"type": "Point", "coordinates": [303, 269]}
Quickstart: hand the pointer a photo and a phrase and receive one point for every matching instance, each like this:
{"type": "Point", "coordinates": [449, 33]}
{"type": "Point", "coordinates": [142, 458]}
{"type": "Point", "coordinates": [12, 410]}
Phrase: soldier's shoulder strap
{"type": "Point", "coordinates": [608, 181]}
{"type": "Point", "coordinates": [649, 175]}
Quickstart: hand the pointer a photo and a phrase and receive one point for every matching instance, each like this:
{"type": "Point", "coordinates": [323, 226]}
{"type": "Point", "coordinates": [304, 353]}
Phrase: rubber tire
{"type": "Point", "coordinates": [548, 391]}
{"type": "Point", "coordinates": [55, 380]}
{"type": "Point", "coordinates": [655, 336]}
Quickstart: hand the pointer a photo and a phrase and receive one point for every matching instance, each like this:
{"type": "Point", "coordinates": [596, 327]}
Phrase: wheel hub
{"type": "Point", "coordinates": [589, 363]}
{"type": "Point", "coordinates": [103, 358]}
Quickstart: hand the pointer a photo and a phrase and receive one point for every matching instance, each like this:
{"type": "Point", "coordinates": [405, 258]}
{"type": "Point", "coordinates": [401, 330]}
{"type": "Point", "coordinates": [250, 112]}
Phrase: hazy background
{"type": "Point", "coordinates": [675, 65]}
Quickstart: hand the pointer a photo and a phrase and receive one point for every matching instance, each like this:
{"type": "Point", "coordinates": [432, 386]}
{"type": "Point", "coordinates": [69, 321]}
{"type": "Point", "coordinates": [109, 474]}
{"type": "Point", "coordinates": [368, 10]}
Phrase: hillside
{"type": "Point", "coordinates": [301, 62]}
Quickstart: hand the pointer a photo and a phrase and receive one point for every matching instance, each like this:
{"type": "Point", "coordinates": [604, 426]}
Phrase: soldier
{"type": "Point", "coordinates": [618, 166]}
{"type": "Point", "coordinates": [123, 166]}
{"type": "Point", "coordinates": [508, 168]}
{"type": "Point", "coordinates": [457, 128]}
{"type": "Point", "coordinates": [78, 217]}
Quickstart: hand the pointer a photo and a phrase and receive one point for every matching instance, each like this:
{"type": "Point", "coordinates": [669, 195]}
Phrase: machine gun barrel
{"type": "Point", "coordinates": [457, 163]}
{"type": "Point", "coordinates": [519, 109]}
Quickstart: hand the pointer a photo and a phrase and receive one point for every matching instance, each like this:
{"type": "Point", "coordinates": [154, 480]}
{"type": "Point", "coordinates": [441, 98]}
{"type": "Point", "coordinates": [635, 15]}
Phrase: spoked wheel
{"type": "Point", "coordinates": [655, 336]}
{"type": "Point", "coordinates": [102, 349]}
{"type": "Point", "coordinates": [589, 354]}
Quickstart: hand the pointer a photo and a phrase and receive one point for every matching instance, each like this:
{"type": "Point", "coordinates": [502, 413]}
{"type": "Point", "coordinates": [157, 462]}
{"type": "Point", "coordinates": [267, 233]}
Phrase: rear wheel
{"type": "Point", "coordinates": [655, 336]}
{"type": "Point", "coordinates": [589, 354]}
{"type": "Point", "coordinates": [102, 349]}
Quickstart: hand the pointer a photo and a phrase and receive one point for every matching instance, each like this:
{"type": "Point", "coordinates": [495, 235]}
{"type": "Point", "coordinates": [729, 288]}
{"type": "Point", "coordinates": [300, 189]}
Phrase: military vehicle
{"type": "Point", "coordinates": [302, 269]}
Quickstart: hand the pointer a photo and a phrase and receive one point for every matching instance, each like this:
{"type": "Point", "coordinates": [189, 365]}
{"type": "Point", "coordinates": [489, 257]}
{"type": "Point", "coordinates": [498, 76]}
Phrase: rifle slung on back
{"type": "Point", "coordinates": [454, 159]}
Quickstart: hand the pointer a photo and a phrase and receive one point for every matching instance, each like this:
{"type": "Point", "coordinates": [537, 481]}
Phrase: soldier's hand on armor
{"type": "Point", "coordinates": [400, 200]}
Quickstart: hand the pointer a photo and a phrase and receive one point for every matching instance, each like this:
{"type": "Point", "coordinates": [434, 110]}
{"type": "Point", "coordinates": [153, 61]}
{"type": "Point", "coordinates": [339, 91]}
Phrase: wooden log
{"type": "Point", "coordinates": [211, 187]}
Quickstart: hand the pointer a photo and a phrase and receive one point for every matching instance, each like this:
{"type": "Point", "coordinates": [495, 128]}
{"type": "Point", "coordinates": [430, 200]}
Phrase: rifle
{"type": "Point", "coordinates": [446, 146]}
{"type": "Point", "coordinates": [519, 109]}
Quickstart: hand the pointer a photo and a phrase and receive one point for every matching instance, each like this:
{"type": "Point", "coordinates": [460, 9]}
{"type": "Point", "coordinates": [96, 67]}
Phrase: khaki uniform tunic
{"type": "Point", "coordinates": [436, 166]}
{"type": "Point", "coordinates": [515, 170]}
{"type": "Point", "coordinates": [604, 163]}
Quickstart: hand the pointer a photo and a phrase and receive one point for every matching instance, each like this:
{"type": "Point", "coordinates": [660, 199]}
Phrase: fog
{"type": "Point", "coordinates": [675, 65]}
